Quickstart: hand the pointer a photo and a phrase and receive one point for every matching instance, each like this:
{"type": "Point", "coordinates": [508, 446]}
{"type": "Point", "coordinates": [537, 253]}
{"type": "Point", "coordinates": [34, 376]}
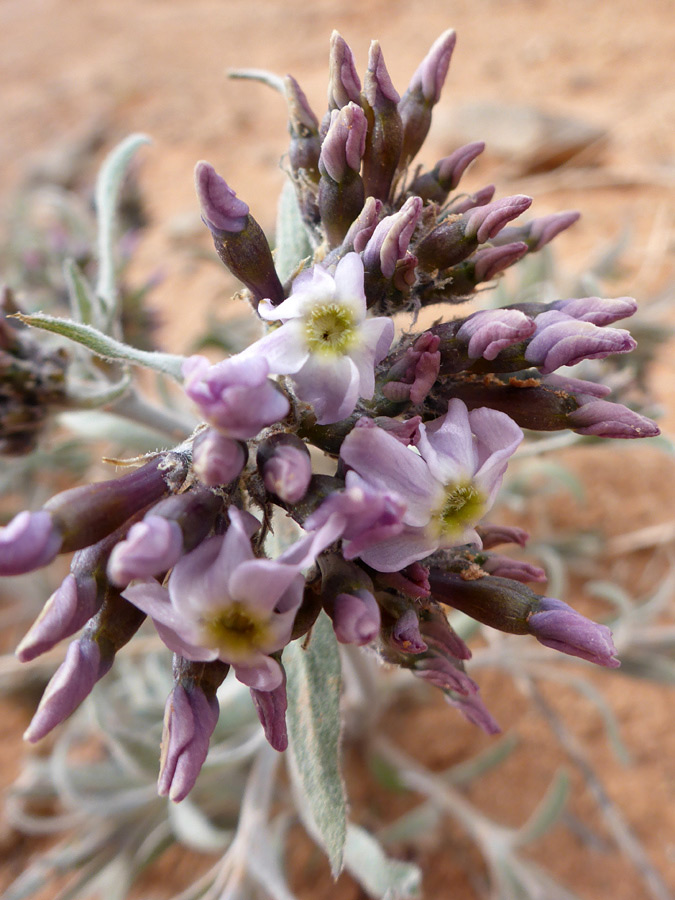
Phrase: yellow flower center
{"type": "Point", "coordinates": [235, 631]}
{"type": "Point", "coordinates": [463, 505]}
{"type": "Point", "coordinates": [330, 329]}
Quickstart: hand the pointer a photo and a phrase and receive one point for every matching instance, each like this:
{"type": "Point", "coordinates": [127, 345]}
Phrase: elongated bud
{"type": "Point", "coordinates": [217, 459]}
{"type": "Point", "coordinates": [344, 85]}
{"type": "Point", "coordinates": [489, 331]}
{"type": "Point", "coordinates": [347, 597]}
{"type": "Point", "coordinates": [474, 710]}
{"type": "Point", "coordinates": [384, 139]}
{"type": "Point", "coordinates": [285, 466]}
{"type": "Point", "coordinates": [445, 674]}
{"type": "Point", "coordinates": [87, 660]}
{"type": "Point", "coordinates": [485, 264]}
{"type": "Point", "coordinates": [454, 240]}
{"type": "Point", "coordinates": [30, 541]}
{"type": "Point", "coordinates": [539, 232]}
{"type": "Point", "coordinates": [517, 569]}
{"type": "Point", "coordinates": [423, 93]}
{"type": "Point", "coordinates": [464, 202]}
{"type": "Point", "coordinates": [612, 420]}
{"type": "Point", "coordinates": [190, 716]}
{"type": "Point", "coordinates": [363, 226]}
{"type": "Point", "coordinates": [434, 186]}
{"type": "Point", "coordinates": [271, 708]}
{"type": "Point", "coordinates": [341, 191]}
{"type": "Point", "coordinates": [303, 126]}
{"type": "Point", "coordinates": [494, 535]}
{"type": "Point", "coordinates": [597, 310]}
{"type": "Point", "coordinates": [239, 240]}
{"type": "Point", "coordinates": [391, 239]}
{"type": "Point", "coordinates": [561, 340]}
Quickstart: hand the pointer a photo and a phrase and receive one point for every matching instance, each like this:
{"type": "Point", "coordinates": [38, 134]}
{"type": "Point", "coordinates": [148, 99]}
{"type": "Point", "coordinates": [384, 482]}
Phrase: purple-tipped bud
{"type": "Point", "coordinates": [605, 419]}
{"type": "Point", "coordinates": [539, 232]}
{"type": "Point", "coordinates": [189, 719]}
{"type": "Point", "coordinates": [271, 708]}
{"type": "Point", "coordinates": [151, 547]}
{"type": "Point", "coordinates": [517, 569]}
{"type": "Point", "coordinates": [217, 459]}
{"type": "Point", "coordinates": [345, 143]}
{"type": "Point", "coordinates": [561, 340]}
{"type": "Point", "coordinates": [30, 541]}
{"type": "Point", "coordinates": [344, 84]}
{"type": "Point", "coordinates": [491, 330]}
{"type": "Point", "coordinates": [435, 186]}
{"type": "Point", "coordinates": [385, 132]}
{"type": "Point", "coordinates": [474, 710]}
{"type": "Point", "coordinates": [484, 222]}
{"type": "Point", "coordinates": [235, 396]}
{"type": "Point", "coordinates": [464, 202]}
{"type": "Point", "coordinates": [286, 467]}
{"type": "Point", "coordinates": [597, 310]}
{"type": "Point", "coordinates": [443, 674]}
{"type": "Point", "coordinates": [74, 602]}
{"type": "Point", "coordinates": [414, 375]}
{"type": "Point", "coordinates": [222, 211]}
{"type": "Point", "coordinates": [391, 238]}
{"type": "Point", "coordinates": [557, 625]}
{"type": "Point", "coordinates": [492, 260]}
{"type": "Point", "coordinates": [494, 535]}
{"type": "Point", "coordinates": [406, 633]}
{"type": "Point", "coordinates": [303, 126]}
{"type": "Point", "coordinates": [239, 240]}
{"type": "Point", "coordinates": [363, 226]}
{"type": "Point", "coordinates": [72, 682]}
{"type": "Point", "coordinates": [441, 636]}
{"type": "Point", "coordinates": [423, 92]}
{"type": "Point", "coordinates": [356, 617]}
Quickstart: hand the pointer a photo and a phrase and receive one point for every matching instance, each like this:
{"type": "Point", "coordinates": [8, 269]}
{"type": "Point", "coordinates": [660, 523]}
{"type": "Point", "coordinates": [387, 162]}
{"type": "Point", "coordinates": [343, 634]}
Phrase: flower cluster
{"type": "Point", "coordinates": [419, 429]}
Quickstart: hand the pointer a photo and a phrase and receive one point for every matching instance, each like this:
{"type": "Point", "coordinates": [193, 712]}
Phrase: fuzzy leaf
{"type": "Point", "coordinates": [379, 875]}
{"type": "Point", "coordinates": [105, 346]}
{"type": "Point", "coordinates": [548, 812]}
{"type": "Point", "coordinates": [313, 686]}
{"type": "Point", "coordinates": [84, 304]}
{"type": "Point", "coordinates": [292, 244]}
{"type": "Point", "coordinates": [108, 186]}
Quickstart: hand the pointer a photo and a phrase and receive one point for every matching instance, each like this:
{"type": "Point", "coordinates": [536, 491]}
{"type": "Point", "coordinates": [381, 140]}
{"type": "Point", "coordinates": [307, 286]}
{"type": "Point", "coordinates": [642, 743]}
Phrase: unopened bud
{"type": "Point", "coordinates": [434, 186]}
{"type": "Point", "coordinates": [285, 466]}
{"type": "Point", "coordinates": [217, 459]}
{"type": "Point", "coordinates": [385, 133]}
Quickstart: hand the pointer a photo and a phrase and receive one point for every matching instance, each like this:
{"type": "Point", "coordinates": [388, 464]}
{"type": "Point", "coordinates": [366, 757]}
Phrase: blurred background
{"type": "Point", "coordinates": [576, 103]}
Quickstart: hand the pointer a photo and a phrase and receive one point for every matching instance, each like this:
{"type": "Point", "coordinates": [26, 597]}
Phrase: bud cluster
{"type": "Point", "coordinates": [420, 431]}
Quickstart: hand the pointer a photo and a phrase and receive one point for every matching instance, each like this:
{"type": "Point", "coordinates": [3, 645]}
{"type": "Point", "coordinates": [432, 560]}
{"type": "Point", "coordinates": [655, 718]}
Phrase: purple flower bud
{"type": "Point", "coordinates": [356, 617]}
{"type": "Point", "coordinates": [442, 673]}
{"type": "Point", "coordinates": [151, 547]}
{"type": "Point", "coordinates": [385, 134]}
{"type": "Point", "coordinates": [494, 535]}
{"type": "Point", "coordinates": [391, 238]}
{"type": "Point", "coordinates": [344, 84]}
{"type": "Point", "coordinates": [28, 542]}
{"type": "Point", "coordinates": [576, 386]}
{"type": "Point", "coordinates": [518, 569]}
{"type": "Point", "coordinates": [435, 186]}
{"type": "Point", "coordinates": [286, 467]}
{"type": "Point", "coordinates": [597, 310]}
{"type": "Point", "coordinates": [474, 710]}
{"type": "Point", "coordinates": [423, 92]}
{"type": "Point", "coordinates": [238, 239]}
{"type": "Point", "coordinates": [413, 580]}
{"type": "Point", "coordinates": [271, 709]}
{"type": "Point", "coordinates": [304, 129]}
{"type": "Point", "coordinates": [72, 682]}
{"type": "Point", "coordinates": [561, 340]}
{"type": "Point", "coordinates": [235, 396]}
{"type": "Point", "coordinates": [363, 226]}
{"type": "Point", "coordinates": [492, 260]}
{"type": "Point", "coordinates": [222, 211]}
{"type": "Point", "coordinates": [418, 370]}
{"type": "Point", "coordinates": [539, 232]}
{"type": "Point", "coordinates": [189, 720]}
{"type": "Point", "coordinates": [217, 459]}
{"type": "Point", "coordinates": [74, 602]}
{"type": "Point", "coordinates": [605, 419]}
{"type": "Point", "coordinates": [484, 222]}
{"type": "Point", "coordinates": [345, 143]}
{"type": "Point", "coordinates": [406, 633]}
{"type": "Point", "coordinates": [441, 636]}
{"type": "Point", "coordinates": [557, 625]}
{"type": "Point", "coordinates": [464, 202]}
{"type": "Point", "coordinates": [491, 330]}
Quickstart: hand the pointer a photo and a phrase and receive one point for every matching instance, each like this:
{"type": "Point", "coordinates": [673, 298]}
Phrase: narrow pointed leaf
{"type": "Point", "coordinates": [84, 304]}
{"type": "Point", "coordinates": [292, 243]}
{"type": "Point", "coordinates": [313, 685]}
{"type": "Point", "coordinates": [379, 875]}
{"type": "Point", "coordinates": [105, 346]}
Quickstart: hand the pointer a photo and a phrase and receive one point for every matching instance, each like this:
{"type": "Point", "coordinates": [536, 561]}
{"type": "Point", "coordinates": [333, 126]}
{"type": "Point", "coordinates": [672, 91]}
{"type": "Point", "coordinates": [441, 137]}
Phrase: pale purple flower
{"type": "Point", "coordinates": [216, 458]}
{"type": "Point", "coordinates": [326, 343]}
{"type": "Point", "coordinates": [561, 340]}
{"type": "Point", "coordinates": [557, 625]}
{"type": "Point", "coordinates": [189, 720]}
{"type": "Point", "coordinates": [235, 396]}
{"type": "Point", "coordinates": [151, 547]}
{"type": "Point", "coordinates": [491, 330]}
{"type": "Point", "coordinates": [224, 603]}
{"type": "Point", "coordinates": [31, 540]}
{"type": "Point", "coordinates": [446, 486]}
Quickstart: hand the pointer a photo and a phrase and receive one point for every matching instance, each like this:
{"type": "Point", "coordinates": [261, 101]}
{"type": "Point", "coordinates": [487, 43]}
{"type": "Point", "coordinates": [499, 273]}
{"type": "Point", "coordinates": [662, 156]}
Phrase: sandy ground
{"type": "Point", "coordinates": [71, 67]}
